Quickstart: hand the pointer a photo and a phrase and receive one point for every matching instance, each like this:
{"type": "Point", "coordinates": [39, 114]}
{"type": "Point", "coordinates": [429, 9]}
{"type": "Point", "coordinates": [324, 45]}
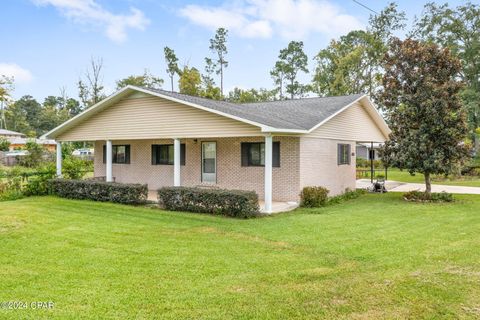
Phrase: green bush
{"type": "Point", "coordinates": [417, 196]}
{"type": "Point", "coordinates": [11, 195]}
{"type": "Point", "coordinates": [11, 189]}
{"type": "Point", "coordinates": [348, 195]}
{"type": "Point", "coordinates": [99, 191]}
{"type": "Point", "coordinates": [4, 144]}
{"type": "Point", "coordinates": [74, 168]}
{"type": "Point", "coordinates": [34, 156]}
{"type": "Point", "coordinates": [313, 197]}
{"type": "Point", "coordinates": [233, 203]}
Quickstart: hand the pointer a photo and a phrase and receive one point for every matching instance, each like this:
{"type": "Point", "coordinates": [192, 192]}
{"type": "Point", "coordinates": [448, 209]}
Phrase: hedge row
{"type": "Point", "coordinates": [233, 203]}
{"type": "Point", "coordinates": [99, 191]}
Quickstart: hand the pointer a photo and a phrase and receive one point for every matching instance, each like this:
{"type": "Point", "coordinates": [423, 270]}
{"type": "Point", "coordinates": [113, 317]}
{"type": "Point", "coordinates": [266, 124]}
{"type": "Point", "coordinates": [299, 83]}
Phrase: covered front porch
{"type": "Point", "coordinates": [217, 162]}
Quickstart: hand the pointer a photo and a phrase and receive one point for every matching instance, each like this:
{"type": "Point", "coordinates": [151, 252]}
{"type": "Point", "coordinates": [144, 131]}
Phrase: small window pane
{"type": "Point", "coordinates": [120, 154]}
{"type": "Point", "coordinates": [163, 154]}
{"type": "Point", "coordinates": [171, 154]}
{"type": "Point", "coordinates": [255, 154]}
{"type": "Point", "coordinates": [262, 154]}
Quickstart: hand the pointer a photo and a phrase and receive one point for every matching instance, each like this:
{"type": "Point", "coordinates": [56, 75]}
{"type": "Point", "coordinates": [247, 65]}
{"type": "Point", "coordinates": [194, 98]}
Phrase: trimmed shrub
{"type": "Point", "coordinates": [312, 197]}
{"type": "Point", "coordinates": [232, 203]}
{"type": "Point", "coordinates": [99, 191]}
{"type": "Point", "coordinates": [417, 196]}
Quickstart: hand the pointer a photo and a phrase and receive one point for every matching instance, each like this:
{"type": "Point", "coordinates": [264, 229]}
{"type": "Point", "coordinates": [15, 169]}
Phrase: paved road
{"type": "Point", "coordinates": [395, 186]}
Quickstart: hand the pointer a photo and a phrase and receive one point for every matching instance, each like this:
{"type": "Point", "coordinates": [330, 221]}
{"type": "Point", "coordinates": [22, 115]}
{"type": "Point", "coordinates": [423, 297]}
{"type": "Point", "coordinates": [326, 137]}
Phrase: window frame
{"type": "Point", "coordinates": [246, 147]}
{"type": "Point", "coordinates": [115, 154]}
{"type": "Point", "coordinates": [156, 160]}
{"type": "Point", "coordinates": [344, 154]}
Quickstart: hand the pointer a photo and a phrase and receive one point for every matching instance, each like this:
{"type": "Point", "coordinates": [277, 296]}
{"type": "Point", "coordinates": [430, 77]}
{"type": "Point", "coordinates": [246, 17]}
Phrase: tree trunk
{"type": "Point", "coordinates": [221, 78]}
{"type": "Point", "coordinates": [171, 81]}
{"type": "Point", "coordinates": [428, 184]}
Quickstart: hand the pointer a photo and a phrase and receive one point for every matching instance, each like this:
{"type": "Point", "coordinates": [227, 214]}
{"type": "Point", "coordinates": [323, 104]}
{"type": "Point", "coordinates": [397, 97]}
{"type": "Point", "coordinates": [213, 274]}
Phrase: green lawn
{"type": "Point", "coordinates": [404, 176]}
{"type": "Point", "coordinates": [370, 258]}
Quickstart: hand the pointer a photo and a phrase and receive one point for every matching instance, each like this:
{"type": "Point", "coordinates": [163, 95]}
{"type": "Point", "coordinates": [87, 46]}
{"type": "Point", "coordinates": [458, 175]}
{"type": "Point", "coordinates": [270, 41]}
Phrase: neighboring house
{"type": "Point", "coordinates": [274, 148]}
{"type": "Point", "coordinates": [365, 151]}
{"type": "Point", "coordinates": [10, 134]}
{"type": "Point", "coordinates": [19, 140]}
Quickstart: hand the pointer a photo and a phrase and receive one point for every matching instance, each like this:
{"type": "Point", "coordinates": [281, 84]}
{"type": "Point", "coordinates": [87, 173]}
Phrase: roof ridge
{"type": "Point", "coordinates": [246, 103]}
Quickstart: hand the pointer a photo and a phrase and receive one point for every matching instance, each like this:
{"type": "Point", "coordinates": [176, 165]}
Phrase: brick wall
{"type": "Point", "coordinates": [318, 165]}
{"type": "Point", "coordinates": [230, 173]}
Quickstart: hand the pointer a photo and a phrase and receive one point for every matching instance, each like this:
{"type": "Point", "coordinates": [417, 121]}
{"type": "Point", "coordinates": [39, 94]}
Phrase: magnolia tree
{"type": "Point", "coordinates": [420, 99]}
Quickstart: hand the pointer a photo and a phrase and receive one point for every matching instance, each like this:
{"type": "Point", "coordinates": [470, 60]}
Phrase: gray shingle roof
{"type": "Point", "coordinates": [296, 114]}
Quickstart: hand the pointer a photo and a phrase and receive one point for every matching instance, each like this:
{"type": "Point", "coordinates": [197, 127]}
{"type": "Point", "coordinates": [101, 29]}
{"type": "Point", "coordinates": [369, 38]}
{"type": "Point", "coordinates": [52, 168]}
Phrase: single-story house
{"type": "Point", "coordinates": [19, 140]}
{"type": "Point", "coordinates": [163, 138]}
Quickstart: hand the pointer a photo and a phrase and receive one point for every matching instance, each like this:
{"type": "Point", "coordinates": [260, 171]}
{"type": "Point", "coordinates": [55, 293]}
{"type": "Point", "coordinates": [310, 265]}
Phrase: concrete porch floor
{"type": "Point", "coordinates": [277, 206]}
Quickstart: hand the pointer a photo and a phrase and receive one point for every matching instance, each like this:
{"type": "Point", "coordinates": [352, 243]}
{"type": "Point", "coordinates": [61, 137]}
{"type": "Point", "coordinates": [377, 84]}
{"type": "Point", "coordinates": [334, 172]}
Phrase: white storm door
{"type": "Point", "coordinates": [209, 162]}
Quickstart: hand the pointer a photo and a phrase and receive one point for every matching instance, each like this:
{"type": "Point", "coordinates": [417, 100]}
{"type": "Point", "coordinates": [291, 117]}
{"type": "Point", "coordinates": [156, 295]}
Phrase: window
{"type": "Point", "coordinates": [343, 154]}
{"type": "Point", "coordinates": [164, 154]}
{"type": "Point", "coordinates": [253, 154]}
{"type": "Point", "coordinates": [120, 154]}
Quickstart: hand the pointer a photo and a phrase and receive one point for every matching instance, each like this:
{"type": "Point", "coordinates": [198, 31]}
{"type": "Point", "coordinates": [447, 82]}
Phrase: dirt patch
{"type": "Point", "coordinates": [10, 223]}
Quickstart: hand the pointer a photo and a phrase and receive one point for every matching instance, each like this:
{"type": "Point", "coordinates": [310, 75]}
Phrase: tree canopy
{"type": "Point", "coordinates": [146, 80]}
{"type": "Point", "coordinates": [420, 96]}
{"type": "Point", "coordinates": [291, 61]}
{"type": "Point", "coordinates": [458, 29]}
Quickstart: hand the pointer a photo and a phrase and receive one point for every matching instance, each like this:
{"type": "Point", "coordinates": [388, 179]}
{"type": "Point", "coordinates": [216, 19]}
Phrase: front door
{"type": "Point", "coordinates": [209, 162]}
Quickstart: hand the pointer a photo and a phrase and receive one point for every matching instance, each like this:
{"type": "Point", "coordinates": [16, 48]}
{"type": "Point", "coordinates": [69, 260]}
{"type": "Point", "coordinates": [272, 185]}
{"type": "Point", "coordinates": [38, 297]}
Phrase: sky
{"type": "Point", "coordinates": [48, 44]}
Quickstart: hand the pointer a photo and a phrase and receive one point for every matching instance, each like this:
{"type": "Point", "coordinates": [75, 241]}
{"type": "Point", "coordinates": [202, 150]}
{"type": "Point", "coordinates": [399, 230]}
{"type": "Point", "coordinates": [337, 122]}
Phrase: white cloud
{"type": "Point", "coordinates": [263, 18]}
{"type": "Point", "coordinates": [90, 12]}
{"type": "Point", "coordinates": [234, 19]}
{"type": "Point", "coordinates": [20, 75]}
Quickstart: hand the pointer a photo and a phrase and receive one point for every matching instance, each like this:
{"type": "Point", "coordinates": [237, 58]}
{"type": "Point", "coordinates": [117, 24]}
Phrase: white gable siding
{"type": "Point", "coordinates": [354, 124]}
{"type": "Point", "coordinates": [140, 117]}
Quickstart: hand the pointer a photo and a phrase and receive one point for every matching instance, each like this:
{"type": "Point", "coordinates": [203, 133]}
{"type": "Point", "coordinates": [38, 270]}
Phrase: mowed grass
{"type": "Point", "coordinates": [375, 257]}
{"type": "Point", "coordinates": [405, 176]}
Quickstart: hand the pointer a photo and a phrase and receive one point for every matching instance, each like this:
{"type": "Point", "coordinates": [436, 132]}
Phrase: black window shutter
{"type": "Point", "coordinates": [104, 154]}
{"type": "Point", "coordinates": [182, 154]}
{"type": "Point", "coordinates": [339, 154]}
{"type": "Point", "coordinates": [245, 147]}
{"type": "Point", "coordinates": [154, 154]}
{"type": "Point", "coordinates": [349, 154]}
{"type": "Point", "coordinates": [127, 154]}
{"type": "Point", "coordinates": [276, 154]}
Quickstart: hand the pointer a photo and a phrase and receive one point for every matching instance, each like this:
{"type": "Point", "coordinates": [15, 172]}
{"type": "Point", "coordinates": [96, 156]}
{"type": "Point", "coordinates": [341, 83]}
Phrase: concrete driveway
{"type": "Point", "coordinates": [395, 186]}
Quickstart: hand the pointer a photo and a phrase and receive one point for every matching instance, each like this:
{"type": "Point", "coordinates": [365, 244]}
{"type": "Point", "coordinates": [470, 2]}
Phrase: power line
{"type": "Point", "coordinates": [368, 8]}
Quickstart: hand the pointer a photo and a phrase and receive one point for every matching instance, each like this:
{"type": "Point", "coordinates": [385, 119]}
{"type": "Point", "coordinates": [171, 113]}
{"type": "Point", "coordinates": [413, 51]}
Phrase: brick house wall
{"type": "Point", "coordinates": [304, 161]}
{"type": "Point", "coordinates": [230, 173]}
{"type": "Point", "coordinates": [319, 166]}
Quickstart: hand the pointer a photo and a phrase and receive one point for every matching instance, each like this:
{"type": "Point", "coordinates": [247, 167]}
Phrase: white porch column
{"type": "Point", "coordinates": [268, 173]}
{"type": "Point", "coordinates": [176, 162]}
{"type": "Point", "coordinates": [59, 159]}
{"type": "Point", "coordinates": [108, 161]}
